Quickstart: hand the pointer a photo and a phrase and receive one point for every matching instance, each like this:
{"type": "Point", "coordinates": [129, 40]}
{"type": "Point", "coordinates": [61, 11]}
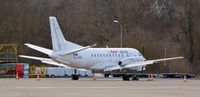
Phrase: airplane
{"type": "Point", "coordinates": [72, 55]}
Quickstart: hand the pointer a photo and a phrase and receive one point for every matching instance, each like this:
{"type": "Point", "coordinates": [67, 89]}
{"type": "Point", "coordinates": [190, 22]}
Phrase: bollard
{"type": "Point", "coordinates": [17, 77]}
{"type": "Point", "coordinates": [151, 77]}
{"type": "Point", "coordinates": [38, 77]}
{"type": "Point", "coordinates": [94, 77]}
{"type": "Point", "coordinates": [185, 78]}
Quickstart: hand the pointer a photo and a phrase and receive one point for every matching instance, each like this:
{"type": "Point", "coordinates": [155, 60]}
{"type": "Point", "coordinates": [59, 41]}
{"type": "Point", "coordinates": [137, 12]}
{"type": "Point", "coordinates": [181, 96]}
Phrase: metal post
{"type": "Point", "coordinates": [143, 50]}
{"type": "Point", "coordinates": [121, 40]}
{"type": "Point", "coordinates": [59, 71]}
{"type": "Point", "coordinates": [143, 55]}
{"type": "Point", "coordinates": [121, 36]}
{"type": "Point", "coordinates": [165, 69]}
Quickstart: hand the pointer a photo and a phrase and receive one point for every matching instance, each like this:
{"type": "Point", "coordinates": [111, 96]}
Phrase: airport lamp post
{"type": "Point", "coordinates": [115, 21]}
{"type": "Point", "coordinates": [165, 68]}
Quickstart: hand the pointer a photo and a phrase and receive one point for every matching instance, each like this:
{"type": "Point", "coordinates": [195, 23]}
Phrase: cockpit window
{"type": "Point", "coordinates": [140, 54]}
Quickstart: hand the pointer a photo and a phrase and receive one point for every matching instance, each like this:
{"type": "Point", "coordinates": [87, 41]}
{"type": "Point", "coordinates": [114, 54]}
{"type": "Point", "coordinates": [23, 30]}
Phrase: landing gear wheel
{"type": "Point", "coordinates": [125, 77]}
{"type": "Point", "coordinates": [106, 75]}
{"type": "Point", "coordinates": [135, 78]}
{"type": "Point", "coordinates": [75, 77]}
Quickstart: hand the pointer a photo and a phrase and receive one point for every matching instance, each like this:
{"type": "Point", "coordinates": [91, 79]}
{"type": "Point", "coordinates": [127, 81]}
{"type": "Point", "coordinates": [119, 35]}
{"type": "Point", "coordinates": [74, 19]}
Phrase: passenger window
{"type": "Point", "coordinates": [103, 55]}
{"type": "Point", "coordinates": [106, 55]}
{"type": "Point", "coordinates": [97, 55]}
{"type": "Point", "coordinates": [110, 55]}
{"type": "Point", "coordinates": [94, 55]}
{"type": "Point", "coordinates": [127, 55]}
{"type": "Point", "coordinates": [119, 55]}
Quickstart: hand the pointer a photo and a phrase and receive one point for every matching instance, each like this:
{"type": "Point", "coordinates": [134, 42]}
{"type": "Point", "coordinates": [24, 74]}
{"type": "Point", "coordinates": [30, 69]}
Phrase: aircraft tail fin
{"type": "Point", "coordinates": [58, 40]}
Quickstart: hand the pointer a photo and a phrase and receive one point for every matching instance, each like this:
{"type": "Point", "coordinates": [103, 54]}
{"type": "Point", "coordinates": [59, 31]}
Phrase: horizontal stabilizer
{"type": "Point", "coordinates": [40, 49]}
{"type": "Point", "coordinates": [45, 60]}
{"type": "Point", "coordinates": [76, 50]}
{"type": "Point", "coordinates": [49, 61]}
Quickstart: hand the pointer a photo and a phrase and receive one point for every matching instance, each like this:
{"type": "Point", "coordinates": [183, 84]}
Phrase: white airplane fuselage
{"type": "Point", "coordinates": [98, 58]}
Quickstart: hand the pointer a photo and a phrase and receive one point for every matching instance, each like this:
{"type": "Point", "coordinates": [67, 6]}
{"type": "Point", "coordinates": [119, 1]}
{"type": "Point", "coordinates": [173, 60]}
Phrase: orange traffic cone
{"type": "Point", "coordinates": [94, 77]}
{"type": "Point", "coordinates": [185, 78]}
{"type": "Point", "coordinates": [17, 77]}
{"type": "Point", "coordinates": [151, 77]}
{"type": "Point", "coordinates": [38, 77]}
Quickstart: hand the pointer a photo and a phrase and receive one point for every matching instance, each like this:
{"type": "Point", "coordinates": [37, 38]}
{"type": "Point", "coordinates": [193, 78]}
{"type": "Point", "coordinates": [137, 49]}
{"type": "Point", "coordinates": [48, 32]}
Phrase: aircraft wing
{"type": "Point", "coordinates": [45, 60]}
{"type": "Point", "coordinates": [140, 63]}
{"type": "Point", "coordinates": [115, 67]}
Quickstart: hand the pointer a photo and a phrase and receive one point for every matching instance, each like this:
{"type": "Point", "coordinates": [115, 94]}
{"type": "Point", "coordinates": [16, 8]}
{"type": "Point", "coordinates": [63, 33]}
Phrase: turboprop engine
{"type": "Point", "coordinates": [125, 61]}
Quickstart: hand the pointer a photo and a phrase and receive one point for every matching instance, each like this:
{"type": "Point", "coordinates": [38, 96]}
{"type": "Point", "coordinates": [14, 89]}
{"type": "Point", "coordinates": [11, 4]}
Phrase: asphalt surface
{"type": "Point", "coordinates": [102, 87]}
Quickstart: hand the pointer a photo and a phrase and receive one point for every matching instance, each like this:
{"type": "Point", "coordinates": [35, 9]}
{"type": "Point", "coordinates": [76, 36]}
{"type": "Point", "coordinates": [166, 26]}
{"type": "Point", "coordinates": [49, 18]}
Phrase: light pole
{"type": "Point", "coordinates": [165, 68]}
{"type": "Point", "coordinates": [115, 21]}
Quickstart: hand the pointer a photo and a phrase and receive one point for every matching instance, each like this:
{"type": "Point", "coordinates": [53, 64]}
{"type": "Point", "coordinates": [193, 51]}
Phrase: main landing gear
{"type": "Point", "coordinates": [75, 76]}
{"type": "Point", "coordinates": [127, 77]}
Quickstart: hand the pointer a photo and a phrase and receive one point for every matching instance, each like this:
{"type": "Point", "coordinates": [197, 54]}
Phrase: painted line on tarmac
{"type": "Point", "coordinates": [64, 87]}
{"type": "Point", "coordinates": [100, 87]}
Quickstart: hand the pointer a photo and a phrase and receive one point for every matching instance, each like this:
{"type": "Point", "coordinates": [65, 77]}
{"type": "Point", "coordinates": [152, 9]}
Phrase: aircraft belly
{"type": "Point", "coordinates": [138, 68]}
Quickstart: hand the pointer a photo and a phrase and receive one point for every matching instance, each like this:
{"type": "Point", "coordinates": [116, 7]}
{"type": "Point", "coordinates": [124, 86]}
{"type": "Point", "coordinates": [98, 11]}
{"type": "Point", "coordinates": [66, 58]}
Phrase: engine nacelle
{"type": "Point", "coordinates": [141, 68]}
{"type": "Point", "coordinates": [120, 63]}
{"type": "Point", "coordinates": [138, 68]}
{"type": "Point", "coordinates": [125, 61]}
